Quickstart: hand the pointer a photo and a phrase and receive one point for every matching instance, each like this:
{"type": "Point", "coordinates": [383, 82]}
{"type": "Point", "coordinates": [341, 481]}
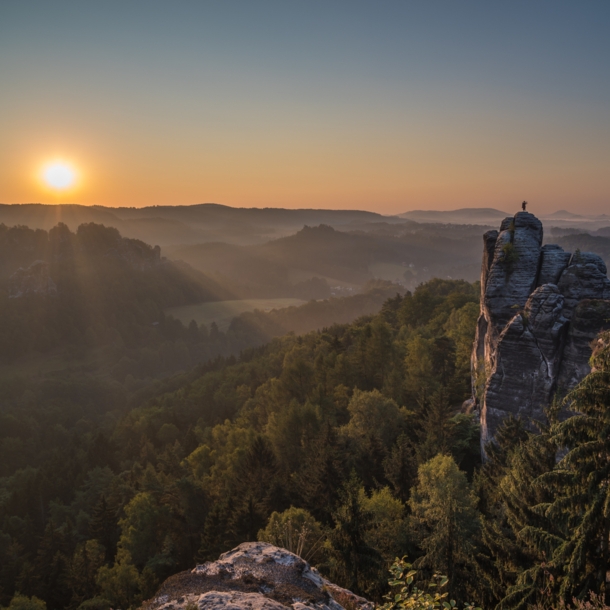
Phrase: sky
{"type": "Point", "coordinates": [384, 105]}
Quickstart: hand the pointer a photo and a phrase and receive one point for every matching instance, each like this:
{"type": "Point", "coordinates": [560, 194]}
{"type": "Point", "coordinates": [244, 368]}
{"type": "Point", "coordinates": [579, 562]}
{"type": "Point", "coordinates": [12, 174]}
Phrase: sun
{"type": "Point", "coordinates": [59, 175]}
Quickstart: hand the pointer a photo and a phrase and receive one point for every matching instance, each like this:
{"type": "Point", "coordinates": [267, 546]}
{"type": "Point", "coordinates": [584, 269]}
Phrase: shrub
{"type": "Point", "coordinates": [297, 531]}
{"type": "Point", "coordinates": [511, 256]}
{"type": "Point", "coordinates": [410, 597]}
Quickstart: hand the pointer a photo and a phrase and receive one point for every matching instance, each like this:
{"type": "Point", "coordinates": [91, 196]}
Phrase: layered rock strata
{"type": "Point", "coordinates": [256, 576]}
{"type": "Point", "coordinates": [541, 308]}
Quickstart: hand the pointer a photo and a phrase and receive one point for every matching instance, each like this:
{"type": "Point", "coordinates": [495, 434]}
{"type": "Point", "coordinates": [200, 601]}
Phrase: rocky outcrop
{"type": "Point", "coordinates": [256, 576]}
{"type": "Point", "coordinates": [35, 280]}
{"type": "Point", "coordinates": [541, 308]}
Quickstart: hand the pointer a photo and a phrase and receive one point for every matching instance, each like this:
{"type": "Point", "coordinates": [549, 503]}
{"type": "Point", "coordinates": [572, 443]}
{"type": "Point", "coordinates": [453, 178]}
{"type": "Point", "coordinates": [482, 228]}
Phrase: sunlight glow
{"type": "Point", "coordinates": [59, 175]}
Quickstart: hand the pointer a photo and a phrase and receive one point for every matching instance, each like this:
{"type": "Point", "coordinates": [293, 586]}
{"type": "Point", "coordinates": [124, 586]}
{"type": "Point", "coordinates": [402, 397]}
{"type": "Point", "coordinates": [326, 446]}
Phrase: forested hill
{"type": "Point", "coordinates": [83, 334]}
{"type": "Point", "coordinates": [322, 423]}
{"type": "Point", "coordinates": [351, 446]}
{"type": "Point", "coordinates": [184, 224]}
{"type": "Point", "coordinates": [90, 287]}
{"type": "Point", "coordinates": [411, 253]}
{"type": "Point", "coordinates": [585, 242]}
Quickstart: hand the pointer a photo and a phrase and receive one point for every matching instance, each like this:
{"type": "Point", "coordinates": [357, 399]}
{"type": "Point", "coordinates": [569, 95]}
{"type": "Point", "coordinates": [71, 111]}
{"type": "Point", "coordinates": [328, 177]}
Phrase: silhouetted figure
{"type": "Point", "coordinates": [523, 205]}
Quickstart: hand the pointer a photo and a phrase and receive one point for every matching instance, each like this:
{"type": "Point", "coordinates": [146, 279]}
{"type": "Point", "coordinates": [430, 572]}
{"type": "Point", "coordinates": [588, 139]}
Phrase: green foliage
{"type": "Point", "coordinates": [460, 327]}
{"type": "Point", "coordinates": [511, 256]}
{"type": "Point", "coordinates": [88, 558]}
{"type": "Point", "coordinates": [386, 529]}
{"type": "Point", "coordinates": [296, 530]}
{"type": "Point", "coordinates": [546, 522]}
{"type": "Point", "coordinates": [373, 413]}
{"type": "Point", "coordinates": [409, 596]}
{"type": "Point", "coordinates": [579, 555]}
{"type": "Point", "coordinates": [95, 603]}
{"type": "Point", "coordinates": [120, 584]}
{"type": "Point", "coordinates": [354, 562]}
{"type": "Point", "coordinates": [21, 602]}
{"type": "Point", "coordinates": [104, 493]}
{"type": "Point", "coordinates": [592, 601]}
{"type": "Point", "coordinates": [445, 522]}
{"type": "Point", "coordinates": [312, 315]}
{"type": "Point", "coordinates": [142, 529]}
{"type": "Point", "coordinates": [435, 301]}
{"type": "Point", "coordinates": [510, 564]}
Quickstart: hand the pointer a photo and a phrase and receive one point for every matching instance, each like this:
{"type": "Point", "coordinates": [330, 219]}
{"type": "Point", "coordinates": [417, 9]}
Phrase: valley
{"type": "Point", "coordinates": [222, 313]}
{"type": "Point", "coordinates": [162, 406]}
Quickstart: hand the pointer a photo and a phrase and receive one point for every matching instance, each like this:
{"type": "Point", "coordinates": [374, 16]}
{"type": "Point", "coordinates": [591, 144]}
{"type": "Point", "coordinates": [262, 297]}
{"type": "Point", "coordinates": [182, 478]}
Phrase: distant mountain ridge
{"type": "Point", "coordinates": [186, 224]}
{"type": "Point", "coordinates": [486, 216]}
{"type": "Point", "coordinates": [189, 225]}
{"type": "Point", "coordinates": [563, 214]}
{"type": "Point", "coordinates": [461, 216]}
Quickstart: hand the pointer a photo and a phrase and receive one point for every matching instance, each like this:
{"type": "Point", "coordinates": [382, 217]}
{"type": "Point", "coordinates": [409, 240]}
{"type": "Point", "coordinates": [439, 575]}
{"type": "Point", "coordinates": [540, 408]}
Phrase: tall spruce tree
{"type": "Point", "coordinates": [510, 566]}
{"type": "Point", "coordinates": [497, 536]}
{"type": "Point", "coordinates": [356, 564]}
{"type": "Point", "coordinates": [317, 485]}
{"type": "Point", "coordinates": [581, 487]}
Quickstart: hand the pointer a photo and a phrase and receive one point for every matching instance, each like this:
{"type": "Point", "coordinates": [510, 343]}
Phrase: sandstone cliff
{"type": "Point", "coordinates": [256, 576]}
{"type": "Point", "coordinates": [541, 308]}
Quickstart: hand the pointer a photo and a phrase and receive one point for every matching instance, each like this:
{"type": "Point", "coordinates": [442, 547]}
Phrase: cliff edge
{"type": "Point", "coordinates": [254, 576]}
{"type": "Point", "coordinates": [541, 308]}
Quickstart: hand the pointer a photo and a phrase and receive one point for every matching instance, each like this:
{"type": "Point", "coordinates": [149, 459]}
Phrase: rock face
{"type": "Point", "coordinates": [256, 576]}
{"type": "Point", "coordinates": [541, 308]}
{"type": "Point", "coordinates": [35, 280]}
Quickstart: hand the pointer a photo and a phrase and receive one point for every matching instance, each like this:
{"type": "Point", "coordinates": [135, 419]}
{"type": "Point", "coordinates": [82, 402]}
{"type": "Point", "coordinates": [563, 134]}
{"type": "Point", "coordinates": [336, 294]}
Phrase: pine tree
{"type": "Point", "coordinates": [436, 429]}
{"type": "Point", "coordinates": [104, 527]}
{"type": "Point", "coordinates": [510, 564]}
{"type": "Point", "coordinates": [401, 467]}
{"type": "Point", "coordinates": [357, 564]}
{"type": "Point", "coordinates": [318, 482]}
{"type": "Point", "coordinates": [256, 474]}
{"type": "Point", "coordinates": [581, 487]}
{"type": "Point", "coordinates": [218, 535]}
{"type": "Point", "coordinates": [497, 536]}
{"type": "Point", "coordinates": [51, 565]}
{"type": "Point", "coordinates": [87, 559]}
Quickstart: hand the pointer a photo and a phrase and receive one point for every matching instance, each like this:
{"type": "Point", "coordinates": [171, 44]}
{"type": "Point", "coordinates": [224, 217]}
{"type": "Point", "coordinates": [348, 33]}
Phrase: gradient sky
{"type": "Point", "coordinates": [380, 105]}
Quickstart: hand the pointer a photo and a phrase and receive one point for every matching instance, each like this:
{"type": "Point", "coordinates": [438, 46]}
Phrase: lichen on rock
{"type": "Point", "coordinates": [257, 576]}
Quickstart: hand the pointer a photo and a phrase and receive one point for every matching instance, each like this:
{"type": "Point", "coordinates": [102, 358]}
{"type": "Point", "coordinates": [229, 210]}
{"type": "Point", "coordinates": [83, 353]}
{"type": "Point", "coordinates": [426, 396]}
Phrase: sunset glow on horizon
{"type": "Point", "coordinates": [381, 106]}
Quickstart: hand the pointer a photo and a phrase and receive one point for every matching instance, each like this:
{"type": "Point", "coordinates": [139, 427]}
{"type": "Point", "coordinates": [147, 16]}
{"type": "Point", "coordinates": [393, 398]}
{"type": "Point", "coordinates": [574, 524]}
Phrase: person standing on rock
{"type": "Point", "coordinates": [524, 205]}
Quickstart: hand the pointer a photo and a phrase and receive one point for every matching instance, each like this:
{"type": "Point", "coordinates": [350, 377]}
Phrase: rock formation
{"type": "Point", "coordinates": [256, 576]}
{"type": "Point", "coordinates": [35, 280]}
{"type": "Point", "coordinates": [541, 308]}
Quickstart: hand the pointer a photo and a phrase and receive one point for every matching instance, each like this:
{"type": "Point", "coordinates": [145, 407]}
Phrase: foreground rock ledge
{"type": "Point", "coordinates": [256, 576]}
